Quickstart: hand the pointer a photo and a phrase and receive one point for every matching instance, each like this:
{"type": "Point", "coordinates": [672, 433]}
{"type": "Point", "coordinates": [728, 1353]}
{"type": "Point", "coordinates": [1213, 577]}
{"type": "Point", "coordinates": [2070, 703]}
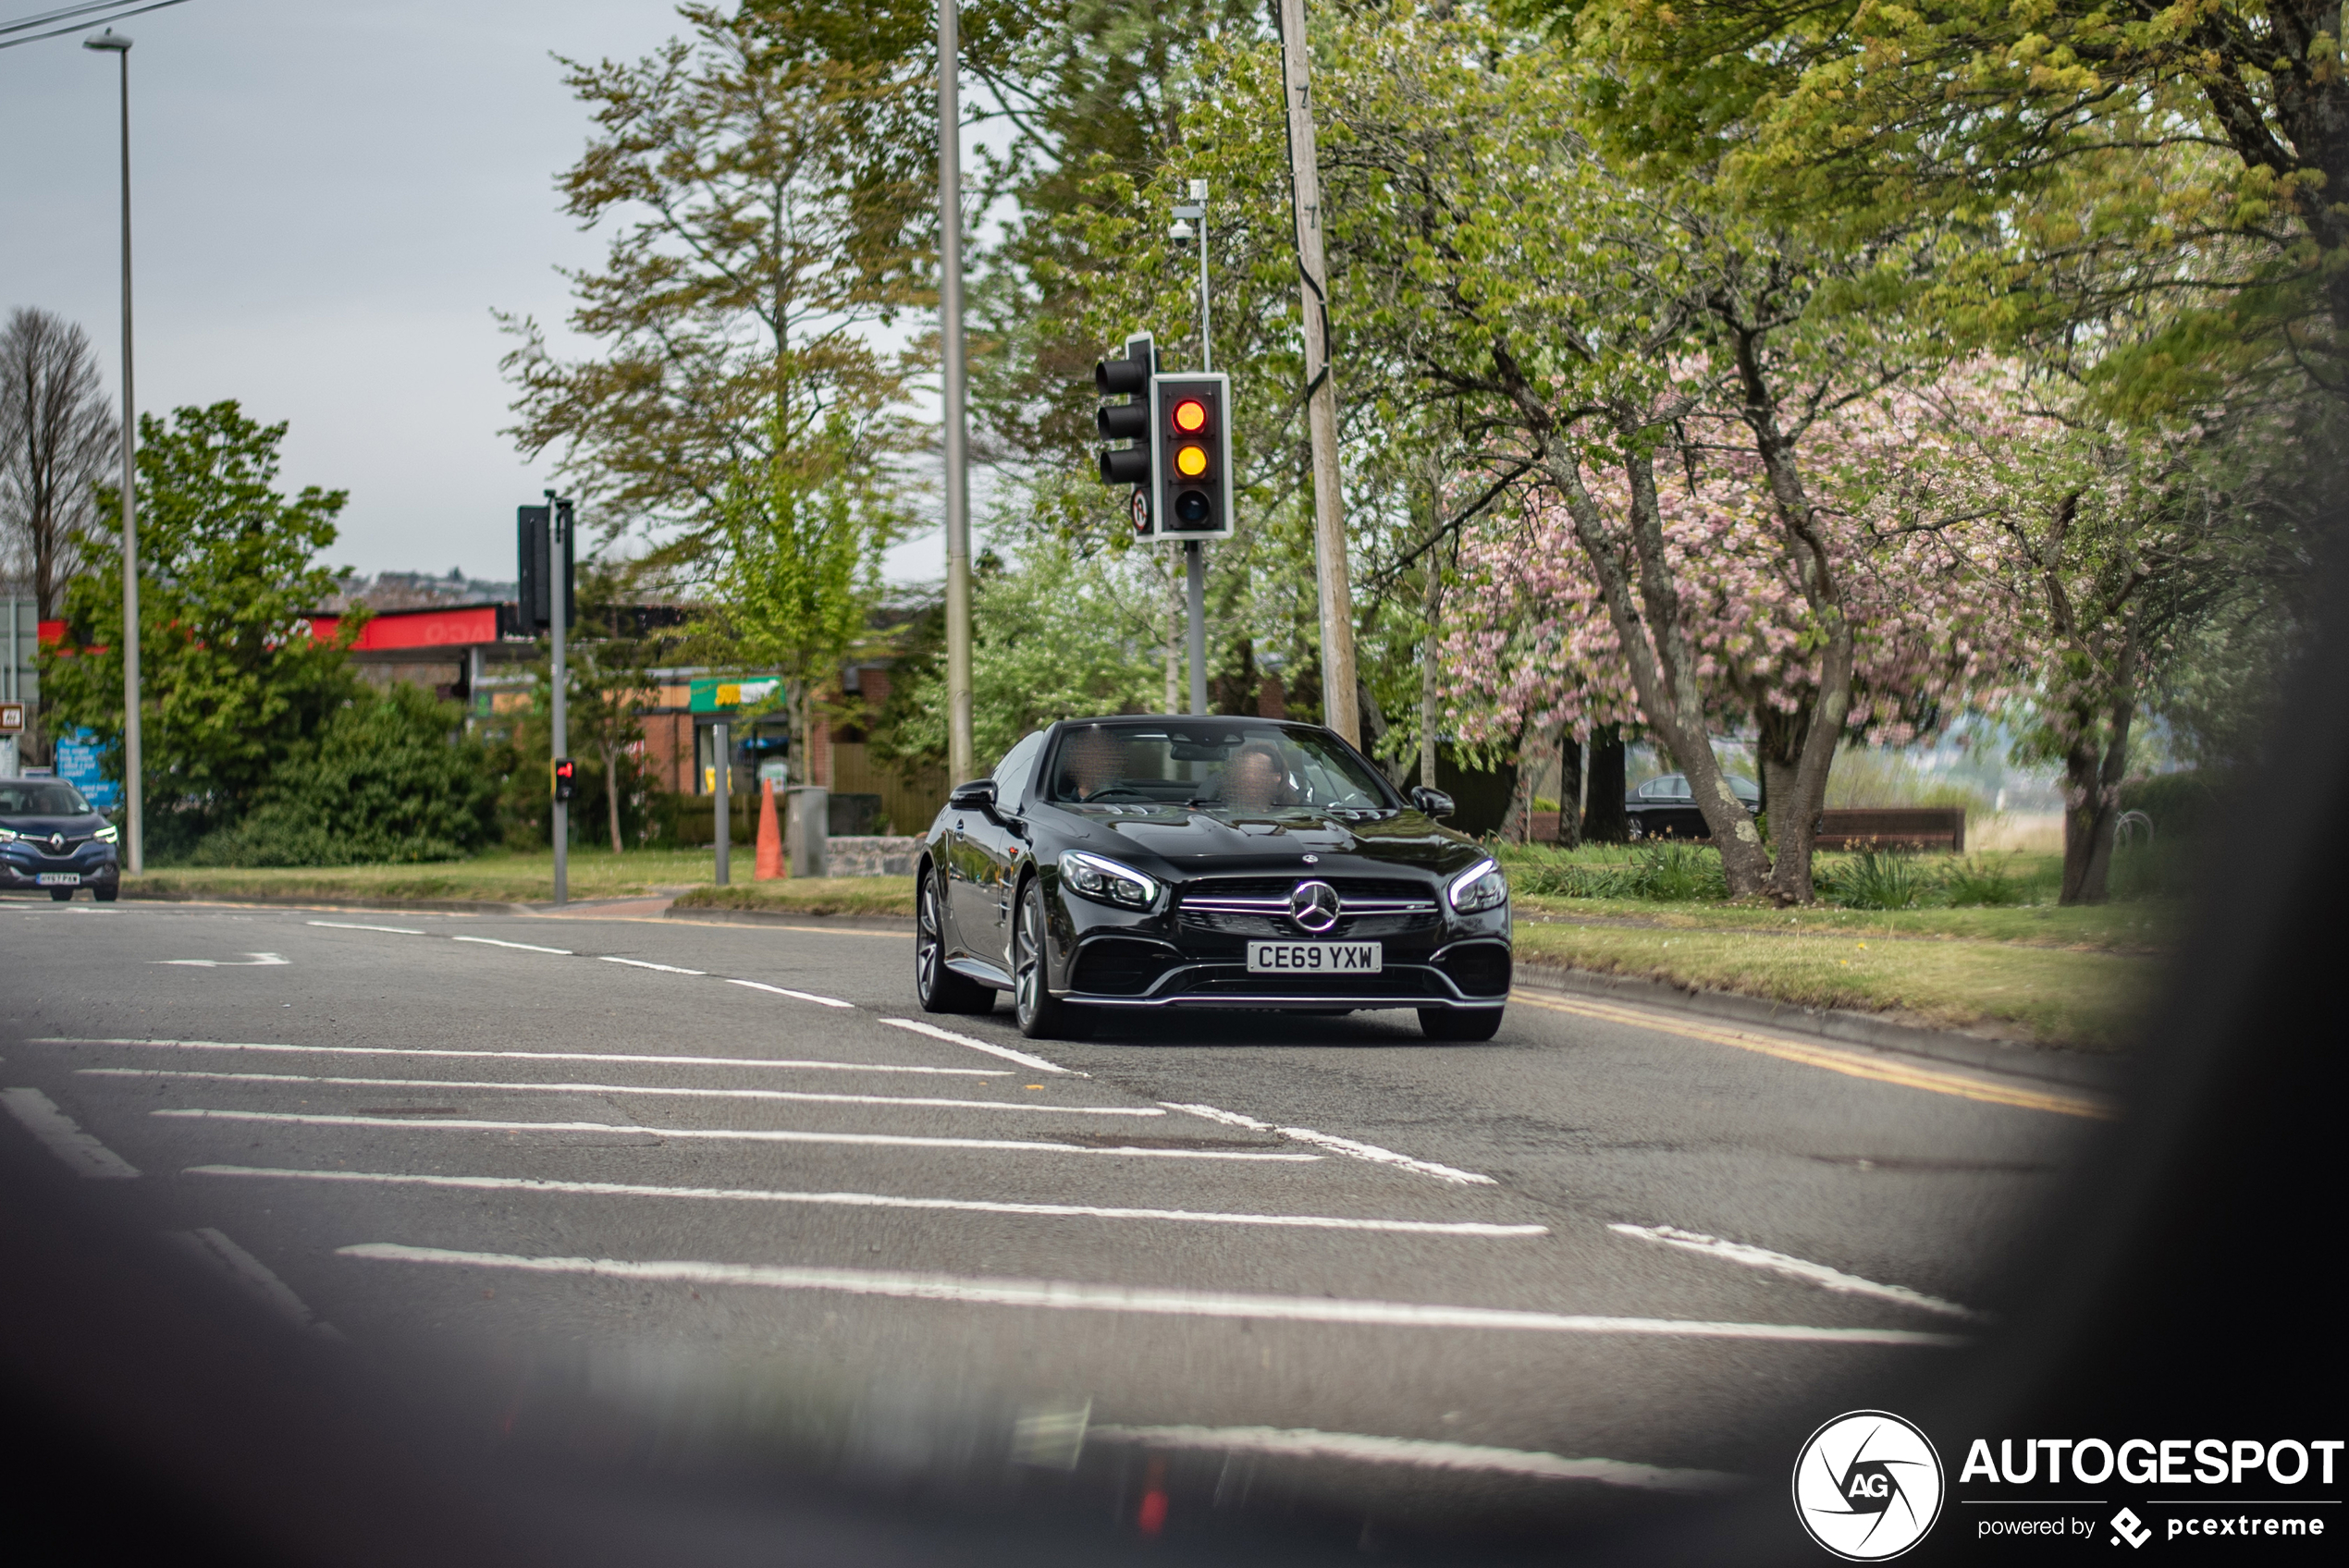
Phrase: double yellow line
{"type": "Point", "coordinates": [1851, 1064]}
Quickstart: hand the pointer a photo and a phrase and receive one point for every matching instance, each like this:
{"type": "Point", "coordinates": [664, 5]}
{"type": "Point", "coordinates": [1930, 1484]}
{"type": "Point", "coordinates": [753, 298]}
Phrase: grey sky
{"type": "Point", "coordinates": [329, 200]}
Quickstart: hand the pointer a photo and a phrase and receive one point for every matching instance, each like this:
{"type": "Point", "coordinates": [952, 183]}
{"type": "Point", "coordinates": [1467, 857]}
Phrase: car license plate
{"type": "Point", "coordinates": [59, 879]}
{"type": "Point", "coordinates": [1314, 957]}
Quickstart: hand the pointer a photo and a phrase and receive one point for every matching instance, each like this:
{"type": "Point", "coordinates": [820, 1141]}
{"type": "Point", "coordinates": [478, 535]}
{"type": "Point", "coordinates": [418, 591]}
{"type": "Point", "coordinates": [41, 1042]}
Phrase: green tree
{"type": "Point", "coordinates": [389, 776]}
{"type": "Point", "coordinates": [231, 677]}
{"type": "Point", "coordinates": [2087, 142]}
{"type": "Point", "coordinates": [796, 560]}
{"type": "Point", "coordinates": [770, 194]}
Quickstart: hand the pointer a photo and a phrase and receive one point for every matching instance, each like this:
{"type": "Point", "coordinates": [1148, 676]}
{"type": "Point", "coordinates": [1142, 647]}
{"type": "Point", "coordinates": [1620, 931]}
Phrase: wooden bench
{"type": "Point", "coordinates": [1866, 827]}
{"type": "Point", "coordinates": [1894, 827]}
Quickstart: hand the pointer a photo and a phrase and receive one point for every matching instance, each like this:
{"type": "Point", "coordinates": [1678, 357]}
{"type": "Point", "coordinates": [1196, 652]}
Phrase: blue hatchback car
{"type": "Point", "coordinates": [50, 838]}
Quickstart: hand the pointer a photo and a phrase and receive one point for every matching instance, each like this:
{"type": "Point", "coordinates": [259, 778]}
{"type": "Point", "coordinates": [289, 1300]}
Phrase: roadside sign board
{"type": "Point", "coordinates": [80, 763]}
{"type": "Point", "coordinates": [11, 718]}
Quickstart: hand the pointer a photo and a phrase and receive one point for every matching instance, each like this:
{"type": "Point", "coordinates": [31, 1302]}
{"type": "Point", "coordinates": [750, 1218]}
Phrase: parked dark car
{"type": "Point", "coordinates": [1665, 808]}
{"type": "Point", "coordinates": [1155, 863]}
{"type": "Point", "coordinates": [50, 838]}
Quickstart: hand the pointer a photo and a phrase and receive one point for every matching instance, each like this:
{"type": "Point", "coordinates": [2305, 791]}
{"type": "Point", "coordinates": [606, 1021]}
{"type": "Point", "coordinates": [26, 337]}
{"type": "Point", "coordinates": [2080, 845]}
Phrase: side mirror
{"type": "Point", "coordinates": [977, 795]}
{"type": "Point", "coordinates": [1433, 802]}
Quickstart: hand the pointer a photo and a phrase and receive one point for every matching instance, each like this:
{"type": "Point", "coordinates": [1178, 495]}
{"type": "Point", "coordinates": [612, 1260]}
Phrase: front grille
{"type": "Point", "coordinates": [1392, 983]}
{"type": "Point", "coordinates": [1280, 887]}
{"type": "Point", "coordinates": [1230, 923]}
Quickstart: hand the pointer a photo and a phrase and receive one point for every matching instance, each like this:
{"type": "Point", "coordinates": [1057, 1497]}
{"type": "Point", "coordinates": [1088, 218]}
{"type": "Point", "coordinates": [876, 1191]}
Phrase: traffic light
{"type": "Point", "coordinates": [566, 772]}
{"type": "Point", "coordinates": [1191, 456]}
{"type": "Point", "coordinates": [537, 529]}
{"type": "Point", "coordinates": [1126, 415]}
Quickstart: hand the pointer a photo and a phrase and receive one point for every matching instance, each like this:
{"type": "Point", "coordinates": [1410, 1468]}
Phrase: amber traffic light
{"type": "Point", "coordinates": [1193, 472]}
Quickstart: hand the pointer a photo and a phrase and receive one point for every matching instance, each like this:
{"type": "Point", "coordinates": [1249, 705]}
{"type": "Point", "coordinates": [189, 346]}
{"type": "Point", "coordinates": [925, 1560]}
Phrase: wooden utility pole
{"type": "Point", "coordinates": [1339, 710]}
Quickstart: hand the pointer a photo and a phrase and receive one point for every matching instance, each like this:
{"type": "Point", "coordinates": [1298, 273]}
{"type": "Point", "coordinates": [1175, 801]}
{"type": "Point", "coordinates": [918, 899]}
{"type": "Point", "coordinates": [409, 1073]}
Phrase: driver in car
{"type": "Point", "coordinates": [1094, 762]}
{"type": "Point", "coordinates": [1257, 778]}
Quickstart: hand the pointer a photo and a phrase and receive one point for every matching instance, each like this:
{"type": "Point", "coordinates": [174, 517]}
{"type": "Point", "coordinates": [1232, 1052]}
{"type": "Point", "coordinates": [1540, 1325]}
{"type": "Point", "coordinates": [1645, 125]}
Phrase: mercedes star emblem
{"type": "Point", "coordinates": [1314, 905]}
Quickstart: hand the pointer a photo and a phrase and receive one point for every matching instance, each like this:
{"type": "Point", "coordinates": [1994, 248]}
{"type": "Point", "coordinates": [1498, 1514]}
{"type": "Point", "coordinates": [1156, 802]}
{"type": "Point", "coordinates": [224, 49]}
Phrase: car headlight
{"type": "Point", "coordinates": [1107, 880]}
{"type": "Point", "coordinates": [108, 834]}
{"type": "Point", "coordinates": [7, 836]}
{"type": "Point", "coordinates": [1481, 886]}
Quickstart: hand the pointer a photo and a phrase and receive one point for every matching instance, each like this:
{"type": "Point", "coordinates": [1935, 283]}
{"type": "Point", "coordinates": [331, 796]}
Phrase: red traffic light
{"type": "Point", "coordinates": [566, 777]}
{"type": "Point", "coordinates": [1190, 416]}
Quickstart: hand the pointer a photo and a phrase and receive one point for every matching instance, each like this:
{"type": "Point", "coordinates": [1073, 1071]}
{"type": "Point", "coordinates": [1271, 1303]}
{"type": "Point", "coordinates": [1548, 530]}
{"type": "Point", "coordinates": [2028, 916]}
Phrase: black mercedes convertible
{"type": "Point", "coordinates": [1205, 863]}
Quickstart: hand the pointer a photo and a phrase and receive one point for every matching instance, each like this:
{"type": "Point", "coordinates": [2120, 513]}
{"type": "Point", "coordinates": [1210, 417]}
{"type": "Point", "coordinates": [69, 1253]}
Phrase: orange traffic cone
{"type": "Point", "coordinates": [770, 837]}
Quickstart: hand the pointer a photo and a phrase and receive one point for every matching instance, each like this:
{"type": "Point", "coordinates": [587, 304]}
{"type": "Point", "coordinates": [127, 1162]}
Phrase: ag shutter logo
{"type": "Point", "coordinates": [1867, 1486]}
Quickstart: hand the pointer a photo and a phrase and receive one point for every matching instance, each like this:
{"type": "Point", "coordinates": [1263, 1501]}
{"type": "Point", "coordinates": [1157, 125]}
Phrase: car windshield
{"type": "Point", "coordinates": [1217, 765]}
{"type": "Point", "coordinates": [24, 798]}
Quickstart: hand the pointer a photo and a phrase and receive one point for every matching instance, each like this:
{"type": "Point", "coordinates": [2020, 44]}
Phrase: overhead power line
{"type": "Point", "coordinates": [75, 18]}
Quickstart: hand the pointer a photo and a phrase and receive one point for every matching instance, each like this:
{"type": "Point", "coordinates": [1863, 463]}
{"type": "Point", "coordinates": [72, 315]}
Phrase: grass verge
{"type": "Point", "coordinates": [812, 895]}
{"type": "Point", "coordinates": [2054, 997]}
{"type": "Point", "coordinates": [494, 878]}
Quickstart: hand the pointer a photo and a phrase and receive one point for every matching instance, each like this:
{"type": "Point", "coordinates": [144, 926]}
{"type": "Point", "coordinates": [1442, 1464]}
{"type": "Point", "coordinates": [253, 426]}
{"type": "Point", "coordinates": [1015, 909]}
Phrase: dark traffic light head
{"type": "Point", "coordinates": [1128, 378]}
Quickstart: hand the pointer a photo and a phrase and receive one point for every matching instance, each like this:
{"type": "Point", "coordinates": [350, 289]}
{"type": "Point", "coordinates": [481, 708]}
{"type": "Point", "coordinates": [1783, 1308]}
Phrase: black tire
{"type": "Point", "coordinates": [1041, 1015]}
{"type": "Point", "coordinates": [937, 988]}
{"type": "Point", "coordinates": [1442, 1024]}
{"type": "Point", "coordinates": [105, 895]}
{"type": "Point", "coordinates": [62, 895]}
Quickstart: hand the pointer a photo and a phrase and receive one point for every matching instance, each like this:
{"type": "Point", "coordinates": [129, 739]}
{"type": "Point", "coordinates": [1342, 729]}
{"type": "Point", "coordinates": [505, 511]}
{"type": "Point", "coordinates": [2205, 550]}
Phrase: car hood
{"type": "Point", "coordinates": [1188, 842]}
{"type": "Point", "coordinates": [42, 827]}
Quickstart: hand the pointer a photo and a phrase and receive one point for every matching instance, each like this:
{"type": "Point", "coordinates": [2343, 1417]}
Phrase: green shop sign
{"type": "Point", "coordinates": [715, 695]}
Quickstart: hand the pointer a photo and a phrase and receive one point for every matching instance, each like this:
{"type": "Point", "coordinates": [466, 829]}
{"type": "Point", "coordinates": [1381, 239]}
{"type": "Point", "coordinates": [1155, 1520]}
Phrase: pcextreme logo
{"type": "Point", "coordinates": [1867, 1486]}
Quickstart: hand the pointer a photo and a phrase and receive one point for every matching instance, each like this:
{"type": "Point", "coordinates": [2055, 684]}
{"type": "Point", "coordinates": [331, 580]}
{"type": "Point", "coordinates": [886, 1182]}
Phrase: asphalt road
{"type": "Point", "coordinates": [1614, 1250]}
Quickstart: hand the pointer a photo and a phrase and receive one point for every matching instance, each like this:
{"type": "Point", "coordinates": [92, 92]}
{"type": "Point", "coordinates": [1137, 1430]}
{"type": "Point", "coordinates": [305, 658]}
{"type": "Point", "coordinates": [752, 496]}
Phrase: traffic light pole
{"type": "Point", "coordinates": [1339, 709]}
{"type": "Point", "coordinates": [1195, 602]}
{"type": "Point", "coordinates": [1194, 551]}
{"type": "Point", "coordinates": [558, 554]}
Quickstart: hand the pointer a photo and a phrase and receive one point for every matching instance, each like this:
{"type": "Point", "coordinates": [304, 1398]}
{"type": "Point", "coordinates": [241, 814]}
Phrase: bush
{"type": "Point", "coordinates": [1878, 879]}
{"type": "Point", "coordinates": [1978, 882]}
{"type": "Point", "coordinates": [2179, 803]}
{"type": "Point", "coordinates": [1665, 871]}
{"type": "Point", "coordinates": [387, 779]}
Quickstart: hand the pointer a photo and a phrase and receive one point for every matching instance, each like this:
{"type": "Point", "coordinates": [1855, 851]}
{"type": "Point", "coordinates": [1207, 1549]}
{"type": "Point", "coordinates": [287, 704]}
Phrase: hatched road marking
{"type": "Point", "coordinates": [1065, 1296]}
{"type": "Point", "coordinates": [741, 1135]}
{"type": "Point", "coordinates": [876, 1200]}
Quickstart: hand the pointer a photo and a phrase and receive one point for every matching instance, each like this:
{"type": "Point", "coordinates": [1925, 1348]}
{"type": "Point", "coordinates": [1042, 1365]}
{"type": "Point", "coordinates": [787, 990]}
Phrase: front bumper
{"type": "Point", "coordinates": [1465, 964]}
{"type": "Point", "coordinates": [19, 870]}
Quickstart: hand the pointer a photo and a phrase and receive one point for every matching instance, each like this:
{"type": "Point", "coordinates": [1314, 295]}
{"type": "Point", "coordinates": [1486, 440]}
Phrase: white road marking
{"type": "Point", "coordinates": [794, 1094]}
{"type": "Point", "coordinates": [1306, 1443]}
{"type": "Point", "coordinates": [1336, 1144]}
{"type": "Point", "coordinates": [877, 1200]}
{"type": "Point", "coordinates": [1064, 1295]}
{"type": "Point", "coordinates": [66, 1140]}
{"type": "Point", "coordinates": [935, 1033]}
{"type": "Point", "coordinates": [797, 996]}
{"type": "Point", "coordinates": [744, 1134]}
{"type": "Point", "coordinates": [252, 1276]}
{"type": "Point", "coordinates": [346, 925]}
{"type": "Point", "coordinates": [251, 961]}
{"type": "Point", "coordinates": [519, 947]}
{"type": "Point", "coordinates": [1795, 1268]}
{"type": "Point", "coordinates": [647, 963]}
{"type": "Point", "coordinates": [535, 1056]}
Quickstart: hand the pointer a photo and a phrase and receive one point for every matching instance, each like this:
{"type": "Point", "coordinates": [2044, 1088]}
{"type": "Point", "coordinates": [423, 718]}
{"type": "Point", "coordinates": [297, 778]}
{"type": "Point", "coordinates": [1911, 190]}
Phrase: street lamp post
{"type": "Point", "coordinates": [133, 794]}
{"type": "Point", "coordinates": [962, 760]}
